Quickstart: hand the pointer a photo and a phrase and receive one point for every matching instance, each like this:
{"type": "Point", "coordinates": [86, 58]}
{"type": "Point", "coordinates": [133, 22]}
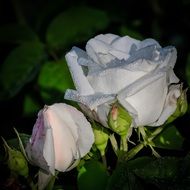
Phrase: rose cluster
{"type": "Point", "coordinates": [137, 75]}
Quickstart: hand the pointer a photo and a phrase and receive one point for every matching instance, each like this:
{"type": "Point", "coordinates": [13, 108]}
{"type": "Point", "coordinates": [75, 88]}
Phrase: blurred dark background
{"type": "Point", "coordinates": [36, 34]}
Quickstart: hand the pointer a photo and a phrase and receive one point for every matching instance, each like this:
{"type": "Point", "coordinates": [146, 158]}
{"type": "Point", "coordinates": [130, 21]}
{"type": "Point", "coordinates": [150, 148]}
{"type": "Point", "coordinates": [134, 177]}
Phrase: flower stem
{"type": "Point", "coordinates": [104, 160]}
{"type": "Point", "coordinates": [134, 151]}
{"type": "Point", "coordinates": [123, 144]}
{"type": "Point", "coordinates": [130, 154]}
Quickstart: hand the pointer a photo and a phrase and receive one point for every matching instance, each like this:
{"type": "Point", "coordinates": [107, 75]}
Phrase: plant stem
{"type": "Point", "coordinates": [129, 155]}
{"type": "Point", "coordinates": [104, 160]}
{"type": "Point", "coordinates": [123, 144]}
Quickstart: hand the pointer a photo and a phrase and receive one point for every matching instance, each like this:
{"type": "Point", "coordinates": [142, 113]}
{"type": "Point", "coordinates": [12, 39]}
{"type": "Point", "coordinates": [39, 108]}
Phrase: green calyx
{"type": "Point", "coordinates": [182, 106]}
{"type": "Point", "coordinates": [101, 138]}
{"type": "Point", "coordinates": [16, 161]}
{"type": "Point", "coordinates": [119, 119]}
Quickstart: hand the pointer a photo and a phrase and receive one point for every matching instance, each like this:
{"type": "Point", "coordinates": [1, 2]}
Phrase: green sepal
{"type": "Point", "coordinates": [16, 161]}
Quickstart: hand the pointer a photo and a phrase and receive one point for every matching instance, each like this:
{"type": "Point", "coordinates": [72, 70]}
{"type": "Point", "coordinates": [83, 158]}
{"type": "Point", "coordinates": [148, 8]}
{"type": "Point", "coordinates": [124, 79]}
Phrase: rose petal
{"type": "Point", "coordinates": [143, 95]}
{"type": "Point", "coordinates": [85, 133]}
{"type": "Point", "coordinates": [34, 148]}
{"type": "Point", "coordinates": [49, 150]}
{"type": "Point", "coordinates": [107, 38]}
{"type": "Point", "coordinates": [169, 106]}
{"type": "Point", "coordinates": [149, 101]}
{"type": "Point", "coordinates": [64, 135]}
{"type": "Point", "coordinates": [98, 51]}
{"type": "Point", "coordinates": [80, 81]}
{"type": "Point", "coordinates": [148, 42]}
{"type": "Point", "coordinates": [92, 101]}
{"type": "Point", "coordinates": [111, 81]}
{"type": "Point", "coordinates": [124, 44]}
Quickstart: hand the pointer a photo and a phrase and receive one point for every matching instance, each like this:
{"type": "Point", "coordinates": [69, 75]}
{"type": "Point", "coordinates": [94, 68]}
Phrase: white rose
{"type": "Point", "coordinates": [136, 73]}
{"type": "Point", "coordinates": [60, 136]}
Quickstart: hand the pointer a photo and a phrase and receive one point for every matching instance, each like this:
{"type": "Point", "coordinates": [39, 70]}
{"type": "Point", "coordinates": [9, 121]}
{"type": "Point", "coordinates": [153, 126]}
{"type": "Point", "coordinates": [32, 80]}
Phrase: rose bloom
{"type": "Point", "coordinates": [60, 136]}
{"type": "Point", "coordinates": [137, 74]}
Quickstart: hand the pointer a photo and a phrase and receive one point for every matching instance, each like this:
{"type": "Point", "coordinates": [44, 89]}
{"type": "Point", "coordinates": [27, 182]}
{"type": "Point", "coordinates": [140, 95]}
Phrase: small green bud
{"type": "Point", "coordinates": [119, 119]}
{"type": "Point", "coordinates": [182, 107]}
{"type": "Point", "coordinates": [101, 138]}
{"type": "Point", "coordinates": [16, 161]}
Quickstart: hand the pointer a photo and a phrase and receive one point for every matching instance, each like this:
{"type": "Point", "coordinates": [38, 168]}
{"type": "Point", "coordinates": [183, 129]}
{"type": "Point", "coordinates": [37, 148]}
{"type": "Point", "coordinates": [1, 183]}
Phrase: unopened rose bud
{"type": "Point", "coordinates": [182, 106]}
{"type": "Point", "coordinates": [16, 161]}
{"type": "Point", "coordinates": [101, 138]}
{"type": "Point", "coordinates": [60, 136]}
{"type": "Point", "coordinates": [119, 120]}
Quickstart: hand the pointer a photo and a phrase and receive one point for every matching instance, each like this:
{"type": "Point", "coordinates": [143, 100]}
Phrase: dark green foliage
{"type": "Point", "coordinates": [20, 67]}
{"type": "Point", "coordinates": [169, 173]}
{"type": "Point", "coordinates": [76, 24]}
{"type": "Point", "coordinates": [92, 175]}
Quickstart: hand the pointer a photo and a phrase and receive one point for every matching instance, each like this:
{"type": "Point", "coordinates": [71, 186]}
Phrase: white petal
{"type": "Point", "coordinates": [80, 80]}
{"type": "Point", "coordinates": [102, 112]}
{"type": "Point", "coordinates": [169, 106]}
{"type": "Point", "coordinates": [148, 42]}
{"type": "Point", "coordinates": [169, 56]}
{"type": "Point", "coordinates": [85, 133]}
{"type": "Point", "coordinates": [110, 81]}
{"type": "Point", "coordinates": [98, 51]}
{"type": "Point", "coordinates": [64, 135]}
{"type": "Point", "coordinates": [144, 96]}
{"type": "Point", "coordinates": [107, 38]}
{"type": "Point", "coordinates": [149, 101]}
{"type": "Point", "coordinates": [172, 77]}
{"type": "Point", "coordinates": [124, 44]}
{"type": "Point", "coordinates": [49, 151]}
{"type": "Point", "coordinates": [119, 54]}
{"type": "Point", "coordinates": [91, 101]}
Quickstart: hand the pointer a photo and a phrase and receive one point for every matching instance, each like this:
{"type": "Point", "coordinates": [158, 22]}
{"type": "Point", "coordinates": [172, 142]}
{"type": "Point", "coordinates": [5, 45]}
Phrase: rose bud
{"type": "Point", "coordinates": [101, 136]}
{"type": "Point", "coordinates": [16, 161]}
{"type": "Point", "coordinates": [119, 120]}
{"type": "Point", "coordinates": [60, 136]}
{"type": "Point", "coordinates": [181, 106]}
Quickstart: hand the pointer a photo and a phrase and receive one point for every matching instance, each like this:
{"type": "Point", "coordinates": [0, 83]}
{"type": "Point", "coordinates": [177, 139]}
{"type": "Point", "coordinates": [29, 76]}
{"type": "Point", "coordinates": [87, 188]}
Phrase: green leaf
{"type": "Point", "coordinates": [162, 172]}
{"type": "Point", "coordinates": [162, 168]}
{"type": "Point", "coordinates": [123, 179]}
{"type": "Point", "coordinates": [54, 79]}
{"type": "Point", "coordinates": [92, 175]}
{"type": "Point", "coordinates": [75, 25]}
{"type": "Point", "coordinates": [20, 67]}
{"type": "Point", "coordinates": [30, 106]}
{"type": "Point", "coordinates": [170, 138]}
{"type": "Point", "coordinates": [15, 33]}
{"type": "Point", "coordinates": [188, 70]}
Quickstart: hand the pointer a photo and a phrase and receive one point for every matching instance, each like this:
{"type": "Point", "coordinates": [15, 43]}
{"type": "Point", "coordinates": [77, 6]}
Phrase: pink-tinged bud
{"type": "Point", "coordinates": [60, 136]}
{"type": "Point", "coordinates": [119, 120]}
